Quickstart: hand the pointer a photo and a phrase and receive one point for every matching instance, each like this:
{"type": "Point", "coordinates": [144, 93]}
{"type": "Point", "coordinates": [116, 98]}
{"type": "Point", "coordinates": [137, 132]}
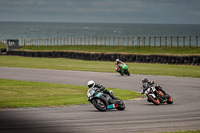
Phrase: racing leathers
{"type": "Point", "coordinates": [101, 88]}
{"type": "Point", "coordinates": [149, 84]}
{"type": "Point", "coordinates": [117, 64]}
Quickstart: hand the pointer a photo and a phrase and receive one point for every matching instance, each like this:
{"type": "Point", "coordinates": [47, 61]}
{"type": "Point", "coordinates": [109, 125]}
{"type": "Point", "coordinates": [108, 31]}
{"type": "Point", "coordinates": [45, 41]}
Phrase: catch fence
{"type": "Point", "coordinates": [178, 41]}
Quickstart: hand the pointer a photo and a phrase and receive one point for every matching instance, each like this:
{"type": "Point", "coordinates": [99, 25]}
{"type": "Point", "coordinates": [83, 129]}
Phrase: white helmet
{"type": "Point", "coordinates": [117, 60]}
{"type": "Point", "coordinates": [91, 84]}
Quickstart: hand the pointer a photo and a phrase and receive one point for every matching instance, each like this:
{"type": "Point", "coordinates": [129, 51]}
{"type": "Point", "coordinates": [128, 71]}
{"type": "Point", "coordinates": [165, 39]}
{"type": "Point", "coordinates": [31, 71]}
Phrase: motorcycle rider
{"type": "Point", "coordinates": [146, 84]}
{"type": "Point", "coordinates": [92, 85]}
{"type": "Point", "coordinates": [117, 64]}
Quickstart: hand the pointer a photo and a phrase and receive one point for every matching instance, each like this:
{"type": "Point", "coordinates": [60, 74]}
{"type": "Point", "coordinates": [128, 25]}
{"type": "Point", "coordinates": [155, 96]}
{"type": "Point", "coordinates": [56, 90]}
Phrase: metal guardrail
{"type": "Point", "coordinates": [178, 41]}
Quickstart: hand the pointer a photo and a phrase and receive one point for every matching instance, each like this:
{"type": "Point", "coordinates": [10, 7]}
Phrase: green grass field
{"type": "Point", "coordinates": [14, 93]}
{"type": "Point", "coordinates": [118, 49]}
{"type": "Point", "coordinates": [2, 45]}
{"type": "Point", "coordinates": [197, 131]}
{"type": "Point", "coordinates": [99, 66]}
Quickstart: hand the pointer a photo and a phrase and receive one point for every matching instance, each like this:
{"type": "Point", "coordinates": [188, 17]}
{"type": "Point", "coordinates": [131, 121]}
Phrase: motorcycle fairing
{"type": "Point", "coordinates": [99, 94]}
{"type": "Point", "coordinates": [112, 106]}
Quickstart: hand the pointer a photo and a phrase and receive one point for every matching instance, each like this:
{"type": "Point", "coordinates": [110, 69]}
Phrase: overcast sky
{"type": "Point", "coordinates": [106, 11]}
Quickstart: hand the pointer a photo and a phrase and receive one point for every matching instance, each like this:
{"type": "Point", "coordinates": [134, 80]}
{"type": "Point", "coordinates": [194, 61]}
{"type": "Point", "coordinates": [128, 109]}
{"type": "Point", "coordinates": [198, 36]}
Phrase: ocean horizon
{"type": "Point", "coordinates": [47, 30]}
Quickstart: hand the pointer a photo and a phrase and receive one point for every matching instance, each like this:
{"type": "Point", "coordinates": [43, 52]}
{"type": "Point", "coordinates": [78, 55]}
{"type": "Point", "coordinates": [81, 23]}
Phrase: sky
{"type": "Point", "coordinates": [102, 11]}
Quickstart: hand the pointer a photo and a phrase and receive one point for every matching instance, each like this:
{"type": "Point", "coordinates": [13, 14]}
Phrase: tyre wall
{"type": "Point", "coordinates": [162, 59]}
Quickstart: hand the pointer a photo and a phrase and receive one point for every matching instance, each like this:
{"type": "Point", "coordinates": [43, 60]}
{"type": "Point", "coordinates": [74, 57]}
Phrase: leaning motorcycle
{"type": "Point", "coordinates": [103, 102]}
{"type": "Point", "coordinates": [123, 69]}
{"type": "Point", "coordinates": [160, 98]}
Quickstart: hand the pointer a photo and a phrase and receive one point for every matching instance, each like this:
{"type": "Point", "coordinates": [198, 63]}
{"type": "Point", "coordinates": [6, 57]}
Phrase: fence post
{"type": "Point", "coordinates": [85, 40]}
{"type": "Point", "coordinates": [132, 41]}
{"type": "Point", "coordinates": [184, 41]}
{"type": "Point", "coordinates": [114, 41]}
{"type": "Point", "coordinates": [88, 40]}
{"type": "Point", "coordinates": [24, 42]}
{"type": "Point", "coordinates": [190, 41]}
{"type": "Point", "coordinates": [165, 41]}
{"type": "Point", "coordinates": [160, 41]}
{"type": "Point", "coordinates": [154, 41]}
{"type": "Point", "coordinates": [138, 41]}
{"type": "Point", "coordinates": [118, 41]}
{"type": "Point", "coordinates": [71, 41]}
{"type": "Point", "coordinates": [143, 42]}
{"type": "Point", "coordinates": [171, 41]}
{"type": "Point", "coordinates": [149, 41]}
{"type": "Point", "coordinates": [105, 41]}
{"type": "Point", "coordinates": [177, 41]}
{"type": "Point", "coordinates": [96, 40]}
{"type": "Point", "coordinates": [197, 44]}
{"type": "Point", "coordinates": [127, 41]}
{"type": "Point", "coordinates": [109, 41]}
{"type": "Point", "coordinates": [92, 40]}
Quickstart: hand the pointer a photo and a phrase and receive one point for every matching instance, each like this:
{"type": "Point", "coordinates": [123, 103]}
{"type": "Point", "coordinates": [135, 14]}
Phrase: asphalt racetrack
{"type": "Point", "coordinates": [139, 115]}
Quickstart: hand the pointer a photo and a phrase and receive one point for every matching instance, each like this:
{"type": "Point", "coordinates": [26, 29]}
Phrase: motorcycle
{"type": "Point", "coordinates": [103, 102]}
{"type": "Point", "coordinates": [123, 69]}
{"type": "Point", "coordinates": [160, 98]}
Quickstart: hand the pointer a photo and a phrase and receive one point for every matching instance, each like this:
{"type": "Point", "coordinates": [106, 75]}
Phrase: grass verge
{"type": "Point", "coordinates": [118, 49]}
{"type": "Point", "coordinates": [14, 93]}
{"type": "Point", "coordinates": [2, 45]}
{"type": "Point", "coordinates": [99, 66]}
{"type": "Point", "coordinates": [197, 131]}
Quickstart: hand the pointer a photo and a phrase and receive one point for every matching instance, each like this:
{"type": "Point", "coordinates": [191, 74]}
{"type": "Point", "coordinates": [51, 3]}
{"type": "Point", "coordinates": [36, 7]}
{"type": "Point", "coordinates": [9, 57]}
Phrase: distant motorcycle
{"type": "Point", "coordinates": [103, 102]}
{"type": "Point", "coordinates": [160, 98]}
{"type": "Point", "coordinates": [123, 69]}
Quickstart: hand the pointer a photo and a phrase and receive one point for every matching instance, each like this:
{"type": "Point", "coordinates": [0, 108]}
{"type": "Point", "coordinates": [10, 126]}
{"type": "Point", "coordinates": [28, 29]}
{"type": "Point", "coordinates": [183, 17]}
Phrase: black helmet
{"type": "Point", "coordinates": [144, 79]}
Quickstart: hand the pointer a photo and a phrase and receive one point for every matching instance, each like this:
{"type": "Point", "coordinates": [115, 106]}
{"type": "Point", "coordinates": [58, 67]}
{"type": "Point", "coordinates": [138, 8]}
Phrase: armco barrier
{"type": "Point", "coordinates": [163, 59]}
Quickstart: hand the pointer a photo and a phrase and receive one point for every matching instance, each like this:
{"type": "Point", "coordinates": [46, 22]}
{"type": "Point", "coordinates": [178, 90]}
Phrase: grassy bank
{"type": "Point", "coordinates": [118, 49]}
{"type": "Point", "coordinates": [2, 45]}
{"type": "Point", "coordinates": [99, 66]}
{"type": "Point", "coordinates": [197, 131]}
{"type": "Point", "coordinates": [14, 93]}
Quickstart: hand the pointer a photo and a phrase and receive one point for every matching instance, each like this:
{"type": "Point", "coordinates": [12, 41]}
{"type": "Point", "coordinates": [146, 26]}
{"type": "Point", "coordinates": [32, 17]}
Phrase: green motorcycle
{"type": "Point", "coordinates": [123, 69]}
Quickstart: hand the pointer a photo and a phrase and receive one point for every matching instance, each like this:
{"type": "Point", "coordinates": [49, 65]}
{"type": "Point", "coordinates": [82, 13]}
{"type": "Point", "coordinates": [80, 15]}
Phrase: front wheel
{"type": "Point", "coordinates": [169, 99]}
{"type": "Point", "coordinates": [152, 99]}
{"type": "Point", "coordinates": [99, 104]}
{"type": "Point", "coordinates": [120, 105]}
{"type": "Point", "coordinates": [127, 72]}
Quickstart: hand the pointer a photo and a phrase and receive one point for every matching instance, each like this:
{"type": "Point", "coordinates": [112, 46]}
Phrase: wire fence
{"type": "Point", "coordinates": [178, 41]}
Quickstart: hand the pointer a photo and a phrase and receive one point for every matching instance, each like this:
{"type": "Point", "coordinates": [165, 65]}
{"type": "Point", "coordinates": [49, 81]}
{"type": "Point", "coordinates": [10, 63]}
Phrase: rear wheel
{"type": "Point", "coordinates": [152, 99]}
{"type": "Point", "coordinates": [99, 104]}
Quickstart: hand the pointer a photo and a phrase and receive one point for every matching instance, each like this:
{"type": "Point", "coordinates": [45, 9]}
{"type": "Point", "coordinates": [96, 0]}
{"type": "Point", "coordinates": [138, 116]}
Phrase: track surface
{"type": "Point", "coordinates": [139, 116]}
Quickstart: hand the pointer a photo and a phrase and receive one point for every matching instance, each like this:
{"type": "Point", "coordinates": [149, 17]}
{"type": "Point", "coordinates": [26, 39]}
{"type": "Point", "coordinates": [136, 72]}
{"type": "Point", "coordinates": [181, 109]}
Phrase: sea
{"type": "Point", "coordinates": [49, 30]}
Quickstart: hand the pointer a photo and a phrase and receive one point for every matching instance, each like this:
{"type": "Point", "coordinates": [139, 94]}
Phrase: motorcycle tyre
{"type": "Point", "coordinates": [94, 102]}
{"type": "Point", "coordinates": [169, 99]}
{"type": "Point", "coordinates": [156, 102]}
{"type": "Point", "coordinates": [127, 72]}
{"type": "Point", "coordinates": [121, 105]}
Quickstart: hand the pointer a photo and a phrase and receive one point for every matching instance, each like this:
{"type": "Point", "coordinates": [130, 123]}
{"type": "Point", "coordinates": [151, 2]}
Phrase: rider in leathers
{"type": "Point", "coordinates": [147, 84]}
{"type": "Point", "coordinates": [117, 64]}
{"type": "Point", "coordinates": [99, 87]}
